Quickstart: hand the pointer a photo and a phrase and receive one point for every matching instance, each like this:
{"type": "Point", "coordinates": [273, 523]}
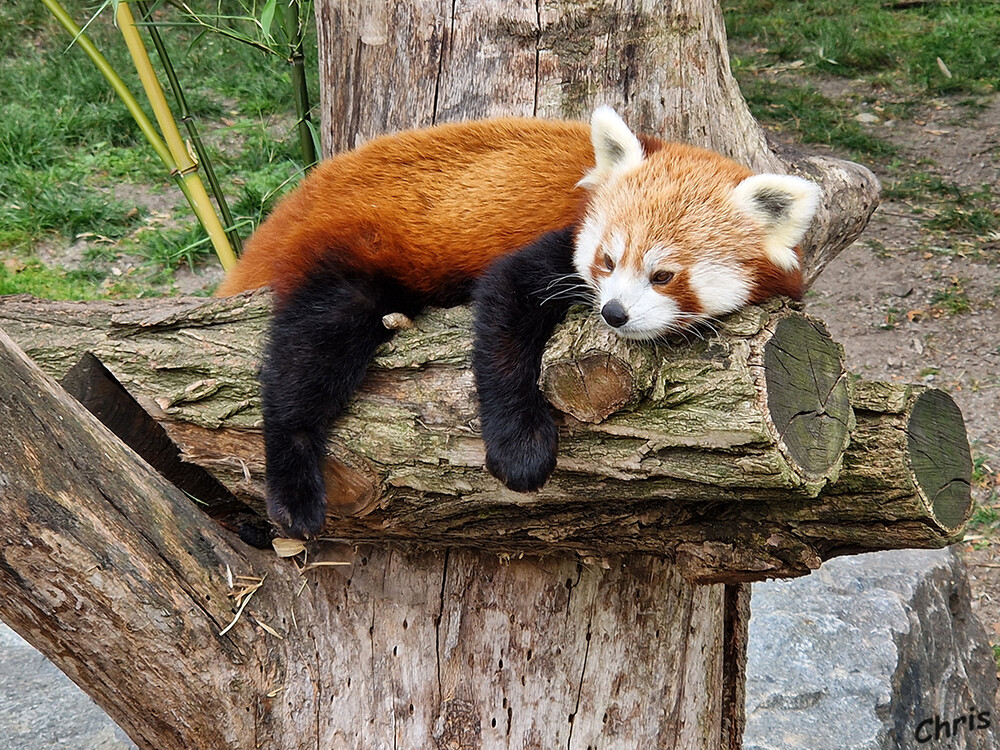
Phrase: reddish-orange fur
{"type": "Point", "coordinates": [435, 207]}
{"type": "Point", "coordinates": [770, 281]}
{"type": "Point", "coordinates": [426, 206]}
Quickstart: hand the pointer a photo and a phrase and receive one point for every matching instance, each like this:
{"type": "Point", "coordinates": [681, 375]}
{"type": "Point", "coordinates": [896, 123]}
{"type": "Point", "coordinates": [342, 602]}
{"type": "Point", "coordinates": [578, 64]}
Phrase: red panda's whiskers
{"type": "Point", "coordinates": [567, 287]}
{"type": "Point", "coordinates": [564, 278]}
{"type": "Point", "coordinates": [695, 322]}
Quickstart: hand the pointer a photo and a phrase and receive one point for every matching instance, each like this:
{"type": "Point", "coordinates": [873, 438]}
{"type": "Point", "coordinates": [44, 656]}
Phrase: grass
{"type": "Point", "coordinates": [781, 49]}
{"type": "Point", "coordinates": [971, 213]}
{"type": "Point", "coordinates": [69, 151]}
{"type": "Point", "coordinates": [812, 117]}
{"type": "Point", "coordinates": [953, 299]}
{"type": "Point", "coordinates": [898, 48]}
{"type": "Point", "coordinates": [955, 215]}
{"type": "Point", "coordinates": [34, 278]}
{"type": "Point", "coordinates": [810, 69]}
{"type": "Point", "coordinates": [985, 520]}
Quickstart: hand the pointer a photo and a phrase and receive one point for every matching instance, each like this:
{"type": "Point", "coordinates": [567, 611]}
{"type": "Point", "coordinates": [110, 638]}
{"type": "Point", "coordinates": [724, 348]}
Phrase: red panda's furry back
{"type": "Point", "coordinates": [426, 206]}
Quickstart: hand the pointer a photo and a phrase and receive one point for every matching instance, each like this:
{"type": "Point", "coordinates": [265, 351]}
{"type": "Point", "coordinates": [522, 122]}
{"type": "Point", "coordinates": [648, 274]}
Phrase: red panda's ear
{"type": "Point", "coordinates": [783, 206]}
{"type": "Point", "coordinates": [616, 149]}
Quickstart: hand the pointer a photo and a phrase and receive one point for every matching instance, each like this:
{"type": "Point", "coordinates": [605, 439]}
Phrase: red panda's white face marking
{"type": "Point", "coordinates": [684, 234]}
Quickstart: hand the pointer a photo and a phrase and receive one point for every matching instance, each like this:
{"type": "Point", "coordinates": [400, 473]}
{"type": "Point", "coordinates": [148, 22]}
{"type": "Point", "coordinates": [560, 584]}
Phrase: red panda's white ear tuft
{"type": "Point", "coordinates": [616, 149]}
{"type": "Point", "coordinates": [784, 206]}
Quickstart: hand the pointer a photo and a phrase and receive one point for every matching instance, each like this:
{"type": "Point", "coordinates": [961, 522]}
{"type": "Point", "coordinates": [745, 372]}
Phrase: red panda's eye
{"type": "Point", "coordinates": [662, 277]}
{"type": "Point", "coordinates": [608, 262]}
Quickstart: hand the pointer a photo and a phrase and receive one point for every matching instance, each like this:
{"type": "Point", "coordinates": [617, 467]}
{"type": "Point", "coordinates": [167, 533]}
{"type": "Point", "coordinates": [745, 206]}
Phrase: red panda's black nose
{"type": "Point", "coordinates": [614, 313]}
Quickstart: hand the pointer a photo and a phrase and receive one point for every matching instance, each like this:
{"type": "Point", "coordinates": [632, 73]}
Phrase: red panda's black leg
{"type": "Point", "coordinates": [321, 341]}
{"type": "Point", "coordinates": [518, 303]}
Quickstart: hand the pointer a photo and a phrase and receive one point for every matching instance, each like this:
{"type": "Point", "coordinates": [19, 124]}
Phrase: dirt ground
{"type": "Point", "coordinates": [882, 299]}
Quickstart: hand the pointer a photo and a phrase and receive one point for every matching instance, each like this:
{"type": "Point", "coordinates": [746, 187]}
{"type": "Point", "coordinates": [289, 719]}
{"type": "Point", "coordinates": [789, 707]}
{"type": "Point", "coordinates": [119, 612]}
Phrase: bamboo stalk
{"type": "Point", "coordinates": [192, 129]}
{"type": "Point", "coordinates": [144, 123]}
{"type": "Point", "coordinates": [186, 166]}
{"type": "Point", "coordinates": [297, 74]}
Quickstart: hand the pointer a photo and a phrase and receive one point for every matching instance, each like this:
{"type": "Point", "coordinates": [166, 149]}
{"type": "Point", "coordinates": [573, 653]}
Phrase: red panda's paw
{"type": "Point", "coordinates": [297, 503]}
{"type": "Point", "coordinates": [297, 519]}
{"type": "Point", "coordinates": [302, 523]}
{"type": "Point", "coordinates": [522, 456]}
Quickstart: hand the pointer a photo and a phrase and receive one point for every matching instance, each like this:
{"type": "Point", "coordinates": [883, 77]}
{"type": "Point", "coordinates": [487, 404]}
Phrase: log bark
{"type": "Point", "coordinates": [143, 600]}
{"type": "Point", "coordinates": [725, 455]}
{"type": "Point", "coordinates": [390, 66]}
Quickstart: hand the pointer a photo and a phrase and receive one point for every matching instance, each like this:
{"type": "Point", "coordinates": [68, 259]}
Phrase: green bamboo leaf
{"type": "Point", "coordinates": [317, 146]}
{"type": "Point", "coordinates": [267, 16]}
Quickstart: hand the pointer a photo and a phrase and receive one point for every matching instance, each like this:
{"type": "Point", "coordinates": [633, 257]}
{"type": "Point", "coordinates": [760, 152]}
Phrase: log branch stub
{"type": "Point", "coordinates": [807, 395]}
{"type": "Point", "coordinates": [591, 388]}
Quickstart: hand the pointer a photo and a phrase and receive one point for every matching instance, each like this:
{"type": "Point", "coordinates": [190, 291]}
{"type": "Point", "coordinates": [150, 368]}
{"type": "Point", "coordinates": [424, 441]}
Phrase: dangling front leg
{"type": "Point", "coordinates": [321, 341]}
{"type": "Point", "coordinates": [518, 303]}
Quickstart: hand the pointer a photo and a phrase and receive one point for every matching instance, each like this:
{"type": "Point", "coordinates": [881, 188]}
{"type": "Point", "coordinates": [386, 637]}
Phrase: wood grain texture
{"type": "Point", "coordinates": [939, 456]}
{"type": "Point", "coordinates": [909, 449]}
{"type": "Point", "coordinates": [113, 573]}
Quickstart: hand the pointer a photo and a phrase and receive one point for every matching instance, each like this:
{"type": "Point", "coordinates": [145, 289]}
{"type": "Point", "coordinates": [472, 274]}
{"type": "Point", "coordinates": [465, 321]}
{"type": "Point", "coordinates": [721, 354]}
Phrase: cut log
{"type": "Point", "coordinates": [723, 454]}
{"type": "Point", "coordinates": [909, 464]}
{"type": "Point", "coordinates": [130, 589]}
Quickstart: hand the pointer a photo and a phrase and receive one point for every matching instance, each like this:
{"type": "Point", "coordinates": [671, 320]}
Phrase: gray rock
{"type": "Point", "coordinates": [870, 652]}
{"type": "Point", "coordinates": [42, 709]}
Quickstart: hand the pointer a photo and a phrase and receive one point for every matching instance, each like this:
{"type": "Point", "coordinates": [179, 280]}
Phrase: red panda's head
{"type": "Point", "coordinates": [680, 235]}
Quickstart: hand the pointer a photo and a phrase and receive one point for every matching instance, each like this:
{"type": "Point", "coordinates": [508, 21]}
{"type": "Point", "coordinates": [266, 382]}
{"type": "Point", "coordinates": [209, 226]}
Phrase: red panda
{"type": "Point", "coordinates": [537, 215]}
